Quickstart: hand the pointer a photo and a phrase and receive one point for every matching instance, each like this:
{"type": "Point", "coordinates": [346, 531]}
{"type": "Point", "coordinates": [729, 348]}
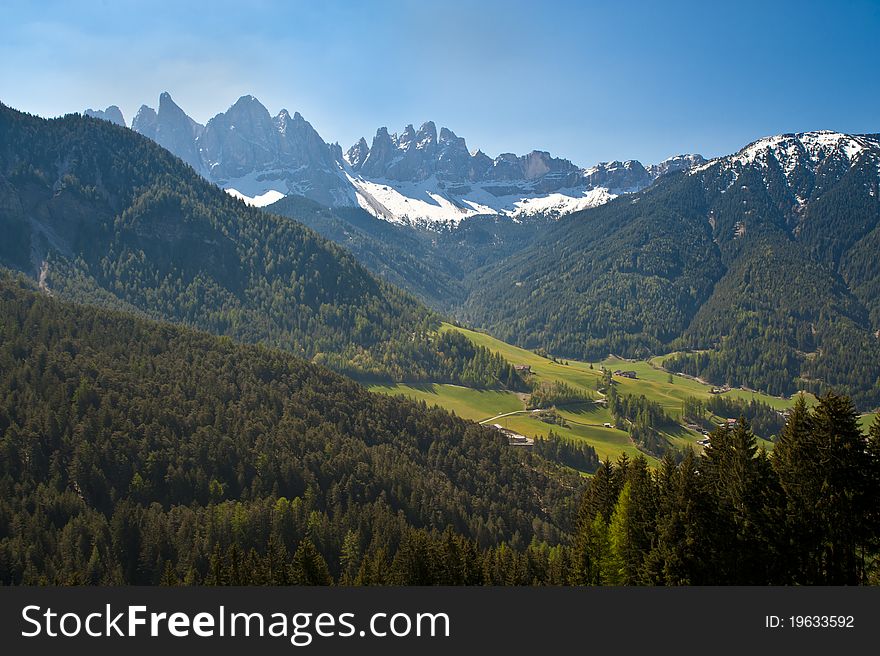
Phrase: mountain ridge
{"type": "Point", "coordinates": [423, 178]}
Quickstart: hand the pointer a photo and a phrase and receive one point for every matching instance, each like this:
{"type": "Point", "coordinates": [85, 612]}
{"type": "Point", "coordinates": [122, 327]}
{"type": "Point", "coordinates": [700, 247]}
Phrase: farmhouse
{"type": "Point", "coordinates": [515, 439]}
{"type": "Point", "coordinates": [523, 368]}
{"type": "Point", "coordinates": [626, 374]}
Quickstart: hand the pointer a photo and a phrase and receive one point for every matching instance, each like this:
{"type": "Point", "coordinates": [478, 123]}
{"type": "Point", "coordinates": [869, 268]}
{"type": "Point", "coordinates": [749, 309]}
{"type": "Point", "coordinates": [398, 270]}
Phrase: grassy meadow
{"type": "Point", "coordinates": [583, 421]}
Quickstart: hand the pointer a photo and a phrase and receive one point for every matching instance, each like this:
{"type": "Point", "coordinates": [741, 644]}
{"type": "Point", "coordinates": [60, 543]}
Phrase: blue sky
{"type": "Point", "coordinates": [590, 81]}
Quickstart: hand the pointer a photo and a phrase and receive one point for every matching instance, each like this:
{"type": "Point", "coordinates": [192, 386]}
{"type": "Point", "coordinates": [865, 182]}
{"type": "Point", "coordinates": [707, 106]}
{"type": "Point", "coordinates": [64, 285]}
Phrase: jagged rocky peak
{"type": "Point", "coordinates": [282, 120]}
{"type": "Point", "coordinates": [480, 165]}
{"type": "Point", "coordinates": [426, 136]}
{"type": "Point", "coordinates": [171, 128]}
{"type": "Point", "coordinates": [301, 128]}
{"type": "Point", "coordinates": [243, 139]}
{"type": "Point", "coordinates": [248, 150]}
{"type": "Point", "coordinates": [145, 122]}
{"type": "Point", "coordinates": [406, 138]}
{"type": "Point", "coordinates": [380, 155]}
{"type": "Point", "coordinates": [382, 139]}
{"type": "Point", "coordinates": [177, 132]}
{"type": "Point", "coordinates": [449, 139]}
{"type": "Point", "coordinates": [112, 114]}
{"type": "Point", "coordinates": [248, 113]}
{"type": "Point", "coordinates": [356, 155]}
{"type": "Point", "coordinates": [167, 104]}
{"type": "Point", "coordinates": [414, 156]}
{"type": "Point", "coordinates": [336, 152]}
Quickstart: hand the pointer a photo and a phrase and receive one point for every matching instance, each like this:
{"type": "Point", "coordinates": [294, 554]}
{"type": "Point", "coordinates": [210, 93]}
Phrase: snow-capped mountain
{"type": "Point", "coordinates": [422, 177]}
{"type": "Point", "coordinates": [804, 152]}
{"type": "Point", "coordinates": [799, 166]}
{"type": "Point", "coordinates": [419, 177]}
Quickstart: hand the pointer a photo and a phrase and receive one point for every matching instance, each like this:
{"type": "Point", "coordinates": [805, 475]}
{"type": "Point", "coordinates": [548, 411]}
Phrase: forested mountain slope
{"type": "Point", "coordinates": [625, 278]}
{"type": "Point", "coordinates": [399, 254]}
{"type": "Point", "coordinates": [763, 258]}
{"type": "Point", "coordinates": [436, 265]}
{"type": "Point", "coordinates": [100, 214]}
{"type": "Point", "coordinates": [138, 452]}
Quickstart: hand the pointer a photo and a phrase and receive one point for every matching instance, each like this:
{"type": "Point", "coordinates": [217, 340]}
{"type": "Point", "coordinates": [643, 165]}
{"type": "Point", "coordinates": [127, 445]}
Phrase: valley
{"type": "Point", "coordinates": [756, 267]}
{"type": "Point", "coordinates": [584, 421]}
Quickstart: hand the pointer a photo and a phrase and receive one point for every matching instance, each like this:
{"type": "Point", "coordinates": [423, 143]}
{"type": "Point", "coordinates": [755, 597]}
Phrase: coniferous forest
{"type": "Point", "coordinates": [133, 450]}
{"type": "Point", "coordinates": [140, 453]}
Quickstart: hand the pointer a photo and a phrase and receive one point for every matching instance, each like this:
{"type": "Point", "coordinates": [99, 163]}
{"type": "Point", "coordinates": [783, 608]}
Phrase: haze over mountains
{"type": "Point", "coordinates": [418, 177]}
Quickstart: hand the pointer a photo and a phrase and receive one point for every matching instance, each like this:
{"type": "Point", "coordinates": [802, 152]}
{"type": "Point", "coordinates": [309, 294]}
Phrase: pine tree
{"type": "Point", "coordinates": [733, 478]}
{"type": "Point", "coordinates": [682, 539]}
{"type": "Point", "coordinates": [277, 562]}
{"type": "Point", "coordinates": [93, 569]}
{"type": "Point", "coordinates": [309, 566]}
{"type": "Point", "coordinates": [796, 467]}
{"type": "Point", "coordinates": [641, 520]}
{"type": "Point", "coordinates": [619, 565]}
{"type": "Point", "coordinates": [374, 569]}
{"type": "Point", "coordinates": [169, 576]}
{"type": "Point", "coordinates": [873, 518]}
{"type": "Point", "coordinates": [349, 558]}
{"type": "Point", "coordinates": [414, 563]}
{"type": "Point", "coordinates": [601, 495]}
{"type": "Point", "coordinates": [846, 495]}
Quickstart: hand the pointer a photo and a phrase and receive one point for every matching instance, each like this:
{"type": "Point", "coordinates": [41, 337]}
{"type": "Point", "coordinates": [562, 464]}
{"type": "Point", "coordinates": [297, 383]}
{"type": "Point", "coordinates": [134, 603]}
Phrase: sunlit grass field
{"type": "Point", "coordinates": [584, 421]}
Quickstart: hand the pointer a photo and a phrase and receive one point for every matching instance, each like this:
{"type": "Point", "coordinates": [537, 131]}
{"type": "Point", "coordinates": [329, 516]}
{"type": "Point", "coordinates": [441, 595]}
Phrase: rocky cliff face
{"type": "Point", "coordinates": [414, 156]}
{"type": "Point", "coordinates": [145, 122]}
{"type": "Point", "coordinates": [172, 129]}
{"type": "Point", "coordinates": [250, 152]}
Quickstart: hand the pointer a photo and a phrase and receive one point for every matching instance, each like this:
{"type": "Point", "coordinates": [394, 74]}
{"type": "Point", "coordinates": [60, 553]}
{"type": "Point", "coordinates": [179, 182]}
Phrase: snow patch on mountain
{"type": "Point", "coordinates": [433, 201]}
{"type": "Point", "coordinates": [559, 204]}
{"type": "Point", "coordinates": [261, 200]}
